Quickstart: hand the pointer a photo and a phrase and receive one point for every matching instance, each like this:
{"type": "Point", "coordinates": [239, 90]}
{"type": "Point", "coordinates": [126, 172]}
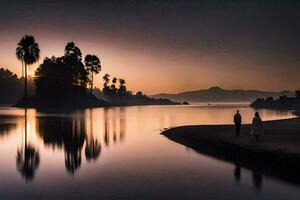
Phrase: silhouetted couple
{"type": "Point", "coordinates": [256, 127]}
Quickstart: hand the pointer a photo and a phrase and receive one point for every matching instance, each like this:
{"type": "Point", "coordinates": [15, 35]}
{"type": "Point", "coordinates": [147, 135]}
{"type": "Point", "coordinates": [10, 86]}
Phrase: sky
{"type": "Point", "coordinates": [166, 45]}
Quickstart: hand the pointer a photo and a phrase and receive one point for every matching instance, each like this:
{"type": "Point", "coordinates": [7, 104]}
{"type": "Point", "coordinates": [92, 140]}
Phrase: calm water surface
{"type": "Point", "coordinates": [118, 153]}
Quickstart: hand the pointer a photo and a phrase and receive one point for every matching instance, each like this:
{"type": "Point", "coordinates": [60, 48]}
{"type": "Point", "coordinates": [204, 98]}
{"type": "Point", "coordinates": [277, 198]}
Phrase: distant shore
{"type": "Point", "coordinates": [87, 101]}
{"type": "Point", "coordinates": [276, 154]}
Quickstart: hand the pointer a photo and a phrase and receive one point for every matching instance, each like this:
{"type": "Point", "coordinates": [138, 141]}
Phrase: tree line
{"type": "Point", "coordinates": [13, 87]}
{"type": "Point", "coordinates": [283, 102]}
{"type": "Point", "coordinates": [67, 80]}
{"type": "Point", "coordinates": [65, 76]}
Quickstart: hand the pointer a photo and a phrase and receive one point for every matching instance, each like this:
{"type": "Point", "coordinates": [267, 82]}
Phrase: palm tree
{"type": "Point", "coordinates": [28, 52]}
{"type": "Point", "coordinates": [122, 87]}
{"type": "Point", "coordinates": [93, 65]}
{"type": "Point", "coordinates": [122, 81]}
{"type": "Point", "coordinates": [106, 79]}
{"type": "Point", "coordinates": [113, 85]}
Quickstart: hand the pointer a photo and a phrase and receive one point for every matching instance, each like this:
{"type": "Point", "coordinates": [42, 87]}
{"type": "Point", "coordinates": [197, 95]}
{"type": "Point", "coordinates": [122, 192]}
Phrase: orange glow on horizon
{"type": "Point", "coordinates": [153, 70]}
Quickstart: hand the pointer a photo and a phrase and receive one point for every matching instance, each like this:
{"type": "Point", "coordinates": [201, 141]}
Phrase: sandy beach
{"type": "Point", "coordinates": [276, 154]}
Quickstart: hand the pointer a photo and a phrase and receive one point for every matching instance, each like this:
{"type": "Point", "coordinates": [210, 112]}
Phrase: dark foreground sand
{"type": "Point", "coordinates": [276, 154]}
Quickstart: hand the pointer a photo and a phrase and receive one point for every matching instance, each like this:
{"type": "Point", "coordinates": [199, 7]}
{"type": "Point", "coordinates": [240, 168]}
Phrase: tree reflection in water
{"type": "Point", "coordinates": [28, 160]}
{"type": "Point", "coordinates": [6, 129]}
{"type": "Point", "coordinates": [28, 157]}
{"type": "Point", "coordinates": [122, 124]}
{"type": "Point", "coordinates": [117, 136]}
{"type": "Point", "coordinates": [92, 147]}
{"type": "Point", "coordinates": [92, 150]}
{"type": "Point", "coordinates": [73, 143]}
{"type": "Point", "coordinates": [66, 133]}
{"type": "Point", "coordinates": [106, 128]}
{"type": "Point", "coordinates": [71, 134]}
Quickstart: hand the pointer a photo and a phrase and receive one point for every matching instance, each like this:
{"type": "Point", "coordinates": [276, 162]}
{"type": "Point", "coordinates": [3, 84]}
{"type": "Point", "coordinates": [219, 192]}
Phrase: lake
{"type": "Point", "coordinates": [118, 153]}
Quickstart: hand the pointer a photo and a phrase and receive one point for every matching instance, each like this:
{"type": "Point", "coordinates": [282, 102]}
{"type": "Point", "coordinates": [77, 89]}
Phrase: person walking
{"type": "Point", "coordinates": [257, 127]}
{"type": "Point", "coordinates": [238, 122]}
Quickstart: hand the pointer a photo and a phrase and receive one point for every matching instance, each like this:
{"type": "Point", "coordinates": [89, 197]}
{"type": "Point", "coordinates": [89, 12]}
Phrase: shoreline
{"type": "Point", "coordinates": [277, 154]}
{"type": "Point", "coordinates": [63, 108]}
{"type": "Point", "coordinates": [85, 101]}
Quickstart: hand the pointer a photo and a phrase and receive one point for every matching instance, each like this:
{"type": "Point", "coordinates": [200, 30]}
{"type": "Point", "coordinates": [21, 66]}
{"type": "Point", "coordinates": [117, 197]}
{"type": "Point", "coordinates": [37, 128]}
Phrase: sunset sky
{"type": "Point", "coordinates": [166, 46]}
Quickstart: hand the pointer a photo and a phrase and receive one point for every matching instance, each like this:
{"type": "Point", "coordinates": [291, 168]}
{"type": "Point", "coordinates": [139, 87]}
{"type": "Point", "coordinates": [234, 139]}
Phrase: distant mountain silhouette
{"type": "Point", "coordinates": [217, 94]}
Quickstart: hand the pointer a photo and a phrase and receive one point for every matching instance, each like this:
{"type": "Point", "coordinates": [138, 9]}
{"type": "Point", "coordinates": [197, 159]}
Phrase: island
{"type": "Point", "coordinates": [66, 82]}
{"type": "Point", "coordinates": [283, 102]}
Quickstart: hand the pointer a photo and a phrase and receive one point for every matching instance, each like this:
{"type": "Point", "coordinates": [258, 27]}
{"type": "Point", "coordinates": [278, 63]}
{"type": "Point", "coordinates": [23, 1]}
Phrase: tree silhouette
{"type": "Point", "coordinates": [122, 88]}
{"type": "Point", "coordinates": [28, 52]}
{"type": "Point", "coordinates": [93, 66]}
{"type": "Point", "coordinates": [53, 79]}
{"type": "Point", "coordinates": [297, 94]}
{"type": "Point", "coordinates": [106, 88]}
{"type": "Point", "coordinates": [73, 59]}
{"type": "Point", "coordinates": [62, 77]}
{"type": "Point", "coordinates": [139, 94]}
{"type": "Point", "coordinates": [106, 79]}
{"type": "Point", "coordinates": [113, 87]}
{"type": "Point", "coordinates": [72, 51]}
{"type": "Point", "coordinates": [10, 82]}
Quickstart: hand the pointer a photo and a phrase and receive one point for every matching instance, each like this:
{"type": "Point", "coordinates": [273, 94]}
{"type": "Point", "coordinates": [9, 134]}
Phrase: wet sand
{"type": "Point", "coordinates": [276, 154]}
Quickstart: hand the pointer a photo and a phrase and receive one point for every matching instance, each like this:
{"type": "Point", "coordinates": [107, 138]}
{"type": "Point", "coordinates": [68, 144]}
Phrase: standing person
{"type": "Point", "coordinates": [237, 121]}
{"type": "Point", "coordinates": [257, 127]}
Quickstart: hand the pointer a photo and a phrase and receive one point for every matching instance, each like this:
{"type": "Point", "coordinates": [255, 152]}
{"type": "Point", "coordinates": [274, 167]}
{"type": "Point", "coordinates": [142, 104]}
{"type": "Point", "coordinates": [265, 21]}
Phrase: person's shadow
{"type": "Point", "coordinates": [257, 175]}
{"type": "Point", "coordinates": [237, 172]}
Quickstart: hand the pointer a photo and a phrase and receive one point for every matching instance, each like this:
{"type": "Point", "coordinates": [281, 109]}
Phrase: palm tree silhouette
{"type": "Point", "coordinates": [28, 52]}
{"type": "Point", "coordinates": [122, 81]}
{"type": "Point", "coordinates": [113, 85]}
{"type": "Point", "coordinates": [122, 87]}
{"type": "Point", "coordinates": [106, 79]}
{"type": "Point", "coordinates": [93, 65]}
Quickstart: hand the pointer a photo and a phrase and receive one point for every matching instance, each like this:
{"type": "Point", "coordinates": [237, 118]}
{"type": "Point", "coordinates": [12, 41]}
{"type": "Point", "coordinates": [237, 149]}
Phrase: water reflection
{"type": "Point", "coordinates": [99, 146]}
{"type": "Point", "coordinates": [72, 134]}
{"type": "Point", "coordinates": [106, 129]}
{"type": "Point", "coordinates": [28, 158]}
{"type": "Point", "coordinates": [93, 146]}
{"type": "Point", "coordinates": [112, 118]}
{"type": "Point", "coordinates": [6, 128]}
{"type": "Point", "coordinates": [66, 133]}
{"type": "Point", "coordinates": [257, 175]}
